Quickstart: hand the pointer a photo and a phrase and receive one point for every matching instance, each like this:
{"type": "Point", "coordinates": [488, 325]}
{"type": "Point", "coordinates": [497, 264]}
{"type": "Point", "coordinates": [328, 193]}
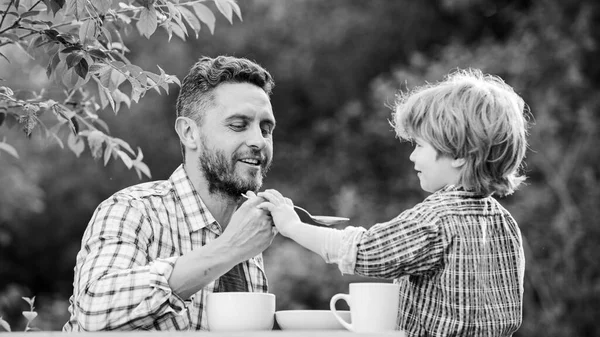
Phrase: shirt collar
{"type": "Point", "coordinates": [195, 212]}
{"type": "Point", "coordinates": [460, 191]}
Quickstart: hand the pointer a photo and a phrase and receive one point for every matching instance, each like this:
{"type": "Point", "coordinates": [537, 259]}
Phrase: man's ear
{"type": "Point", "coordinates": [458, 162]}
{"type": "Point", "coordinates": [188, 132]}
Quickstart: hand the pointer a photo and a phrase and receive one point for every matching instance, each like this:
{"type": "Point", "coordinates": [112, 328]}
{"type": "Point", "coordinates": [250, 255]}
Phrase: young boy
{"type": "Point", "coordinates": [458, 255]}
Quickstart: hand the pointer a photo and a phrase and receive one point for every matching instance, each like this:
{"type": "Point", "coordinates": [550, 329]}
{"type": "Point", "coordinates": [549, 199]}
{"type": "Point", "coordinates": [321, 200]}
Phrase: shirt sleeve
{"type": "Point", "coordinates": [117, 287]}
{"type": "Point", "coordinates": [411, 243]}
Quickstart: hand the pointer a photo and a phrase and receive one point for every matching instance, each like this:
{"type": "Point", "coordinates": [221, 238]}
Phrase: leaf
{"type": "Point", "coordinates": [35, 42]}
{"type": "Point", "coordinates": [116, 79]}
{"type": "Point", "coordinates": [53, 132]}
{"type": "Point", "coordinates": [154, 81]}
{"type": "Point", "coordinates": [97, 53]}
{"type": "Point", "coordinates": [176, 15]}
{"type": "Point", "coordinates": [77, 8]}
{"type": "Point", "coordinates": [125, 158]}
{"type": "Point", "coordinates": [179, 31]}
{"type": "Point", "coordinates": [205, 15]}
{"type": "Point", "coordinates": [123, 144]}
{"type": "Point", "coordinates": [76, 144]}
{"type": "Point", "coordinates": [136, 72]}
{"type": "Point", "coordinates": [65, 38]}
{"type": "Point", "coordinates": [30, 315]}
{"type": "Point", "coordinates": [30, 301]}
{"type": "Point", "coordinates": [70, 49]}
{"type": "Point", "coordinates": [104, 75]}
{"type": "Point", "coordinates": [107, 152]}
{"type": "Point", "coordinates": [24, 50]}
{"type": "Point", "coordinates": [148, 21]}
{"type": "Point", "coordinates": [28, 14]}
{"type": "Point", "coordinates": [73, 59]}
{"type": "Point", "coordinates": [119, 98]}
{"type": "Point", "coordinates": [102, 124]}
{"type": "Point", "coordinates": [37, 22]}
{"type": "Point", "coordinates": [105, 97]}
{"type": "Point", "coordinates": [4, 323]}
{"type": "Point", "coordinates": [54, 5]}
{"type": "Point", "coordinates": [81, 68]}
{"type": "Point", "coordinates": [141, 167]}
{"type": "Point", "coordinates": [102, 6]}
{"type": "Point", "coordinates": [87, 31]}
{"type": "Point", "coordinates": [29, 122]}
{"type": "Point", "coordinates": [95, 141]}
{"type": "Point", "coordinates": [227, 7]}
{"type": "Point", "coordinates": [191, 19]}
{"type": "Point", "coordinates": [74, 125]}
{"type": "Point", "coordinates": [13, 152]}
{"type": "Point", "coordinates": [137, 91]}
{"type": "Point", "coordinates": [11, 36]}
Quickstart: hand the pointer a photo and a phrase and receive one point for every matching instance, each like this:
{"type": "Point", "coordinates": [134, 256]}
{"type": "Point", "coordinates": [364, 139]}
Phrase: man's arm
{"type": "Point", "coordinates": [249, 232]}
{"type": "Point", "coordinates": [117, 287]}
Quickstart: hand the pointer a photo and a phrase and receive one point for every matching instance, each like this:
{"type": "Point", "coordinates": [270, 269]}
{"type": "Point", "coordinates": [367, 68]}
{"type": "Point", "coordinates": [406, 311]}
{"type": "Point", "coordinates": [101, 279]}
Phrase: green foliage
{"type": "Point", "coordinates": [29, 315]}
{"type": "Point", "coordinates": [81, 42]}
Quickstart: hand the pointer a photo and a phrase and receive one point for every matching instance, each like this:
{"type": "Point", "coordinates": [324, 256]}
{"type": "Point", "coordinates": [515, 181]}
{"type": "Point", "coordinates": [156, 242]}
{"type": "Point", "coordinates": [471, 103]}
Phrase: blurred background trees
{"type": "Point", "coordinates": [337, 66]}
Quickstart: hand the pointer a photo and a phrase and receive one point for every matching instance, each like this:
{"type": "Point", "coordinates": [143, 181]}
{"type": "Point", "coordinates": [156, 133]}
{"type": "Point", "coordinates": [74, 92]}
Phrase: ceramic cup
{"type": "Point", "coordinates": [240, 311]}
{"type": "Point", "coordinates": [373, 307]}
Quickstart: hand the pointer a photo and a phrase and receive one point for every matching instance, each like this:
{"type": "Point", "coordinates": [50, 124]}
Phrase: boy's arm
{"type": "Point", "coordinates": [332, 244]}
{"type": "Point", "coordinates": [407, 244]}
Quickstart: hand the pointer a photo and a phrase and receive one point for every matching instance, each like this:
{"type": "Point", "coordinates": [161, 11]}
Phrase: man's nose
{"type": "Point", "coordinates": [256, 139]}
{"type": "Point", "coordinates": [412, 156]}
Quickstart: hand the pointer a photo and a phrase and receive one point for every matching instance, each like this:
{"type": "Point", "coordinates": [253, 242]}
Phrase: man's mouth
{"type": "Point", "coordinates": [251, 161]}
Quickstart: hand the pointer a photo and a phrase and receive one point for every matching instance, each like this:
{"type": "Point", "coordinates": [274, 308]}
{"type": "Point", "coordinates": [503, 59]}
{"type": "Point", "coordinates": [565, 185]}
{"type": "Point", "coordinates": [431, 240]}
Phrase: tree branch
{"type": "Point", "coordinates": [6, 12]}
{"type": "Point", "coordinates": [34, 5]}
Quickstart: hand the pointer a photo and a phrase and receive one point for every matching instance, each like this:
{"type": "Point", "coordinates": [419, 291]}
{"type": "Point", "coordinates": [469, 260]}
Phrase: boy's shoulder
{"type": "Point", "coordinates": [452, 198]}
{"type": "Point", "coordinates": [452, 201]}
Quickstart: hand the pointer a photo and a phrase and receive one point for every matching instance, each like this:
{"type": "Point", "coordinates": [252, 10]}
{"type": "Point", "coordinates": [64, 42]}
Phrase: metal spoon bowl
{"type": "Point", "coordinates": [323, 220]}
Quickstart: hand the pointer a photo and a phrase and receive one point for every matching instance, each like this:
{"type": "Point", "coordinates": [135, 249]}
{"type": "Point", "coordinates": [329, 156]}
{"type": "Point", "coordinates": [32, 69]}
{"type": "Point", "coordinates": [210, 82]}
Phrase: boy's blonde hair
{"type": "Point", "coordinates": [473, 116]}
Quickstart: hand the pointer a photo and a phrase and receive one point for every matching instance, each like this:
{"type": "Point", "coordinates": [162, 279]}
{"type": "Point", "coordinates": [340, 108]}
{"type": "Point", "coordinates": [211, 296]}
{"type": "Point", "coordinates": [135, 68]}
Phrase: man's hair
{"type": "Point", "coordinates": [196, 94]}
{"type": "Point", "coordinates": [474, 116]}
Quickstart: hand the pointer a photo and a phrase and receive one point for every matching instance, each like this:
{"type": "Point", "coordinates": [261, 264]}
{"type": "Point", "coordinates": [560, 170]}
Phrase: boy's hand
{"type": "Point", "coordinates": [281, 209]}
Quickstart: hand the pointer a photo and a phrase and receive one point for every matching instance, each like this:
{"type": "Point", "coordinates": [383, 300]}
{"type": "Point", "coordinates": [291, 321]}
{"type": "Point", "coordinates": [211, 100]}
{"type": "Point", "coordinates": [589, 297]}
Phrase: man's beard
{"type": "Point", "coordinates": [220, 174]}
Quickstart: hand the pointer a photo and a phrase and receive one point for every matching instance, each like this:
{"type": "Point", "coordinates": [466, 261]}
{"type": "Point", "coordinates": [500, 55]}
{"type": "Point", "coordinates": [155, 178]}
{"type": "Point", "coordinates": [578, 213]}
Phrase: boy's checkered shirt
{"type": "Point", "coordinates": [458, 258]}
{"type": "Point", "coordinates": [128, 252]}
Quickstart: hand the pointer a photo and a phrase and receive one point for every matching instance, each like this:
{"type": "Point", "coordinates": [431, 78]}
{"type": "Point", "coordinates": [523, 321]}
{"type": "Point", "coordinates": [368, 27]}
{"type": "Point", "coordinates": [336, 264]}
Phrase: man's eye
{"type": "Point", "coordinates": [237, 127]}
{"type": "Point", "coordinates": [267, 131]}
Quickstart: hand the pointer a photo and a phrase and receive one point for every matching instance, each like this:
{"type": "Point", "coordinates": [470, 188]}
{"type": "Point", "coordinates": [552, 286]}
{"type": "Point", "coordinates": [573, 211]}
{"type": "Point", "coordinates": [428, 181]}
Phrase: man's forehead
{"type": "Point", "coordinates": [242, 100]}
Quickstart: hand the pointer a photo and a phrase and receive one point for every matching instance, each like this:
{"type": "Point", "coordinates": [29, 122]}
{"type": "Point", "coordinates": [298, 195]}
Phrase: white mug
{"type": "Point", "coordinates": [373, 307]}
{"type": "Point", "coordinates": [240, 311]}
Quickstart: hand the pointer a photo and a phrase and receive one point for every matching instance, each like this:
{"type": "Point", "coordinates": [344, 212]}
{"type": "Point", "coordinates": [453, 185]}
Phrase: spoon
{"type": "Point", "coordinates": [324, 220]}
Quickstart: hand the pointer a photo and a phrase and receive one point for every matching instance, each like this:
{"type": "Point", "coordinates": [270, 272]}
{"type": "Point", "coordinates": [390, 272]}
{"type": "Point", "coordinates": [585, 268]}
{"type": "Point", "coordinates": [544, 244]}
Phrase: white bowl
{"type": "Point", "coordinates": [310, 319]}
{"type": "Point", "coordinates": [240, 311]}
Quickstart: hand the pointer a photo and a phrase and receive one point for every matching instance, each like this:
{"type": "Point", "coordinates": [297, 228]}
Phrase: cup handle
{"type": "Point", "coordinates": [334, 299]}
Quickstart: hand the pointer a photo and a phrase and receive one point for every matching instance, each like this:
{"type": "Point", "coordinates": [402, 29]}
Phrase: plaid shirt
{"type": "Point", "coordinates": [458, 258]}
{"type": "Point", "coordinates": [128, 252]}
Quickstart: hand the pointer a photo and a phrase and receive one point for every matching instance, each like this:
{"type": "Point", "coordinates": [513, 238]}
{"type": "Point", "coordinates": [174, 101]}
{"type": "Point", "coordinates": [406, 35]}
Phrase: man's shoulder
{"type": "Point", "coordinates": [141, 193]}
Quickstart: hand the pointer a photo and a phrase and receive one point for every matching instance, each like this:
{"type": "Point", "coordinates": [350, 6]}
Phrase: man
{"type": "Point", "coordinates": [153, 252]}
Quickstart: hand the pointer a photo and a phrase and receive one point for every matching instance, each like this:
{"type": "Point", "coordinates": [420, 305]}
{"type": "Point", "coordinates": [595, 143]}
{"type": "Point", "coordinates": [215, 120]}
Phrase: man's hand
{"type": "Point", "coordinates": [250, 230]}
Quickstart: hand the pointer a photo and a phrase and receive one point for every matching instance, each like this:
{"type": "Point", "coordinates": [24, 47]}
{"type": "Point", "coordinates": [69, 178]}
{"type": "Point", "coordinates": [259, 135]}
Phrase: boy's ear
{"type": "Point", "coordinates": [458, 162]}
{"type": "Point", "coordinates": [187, 130]}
